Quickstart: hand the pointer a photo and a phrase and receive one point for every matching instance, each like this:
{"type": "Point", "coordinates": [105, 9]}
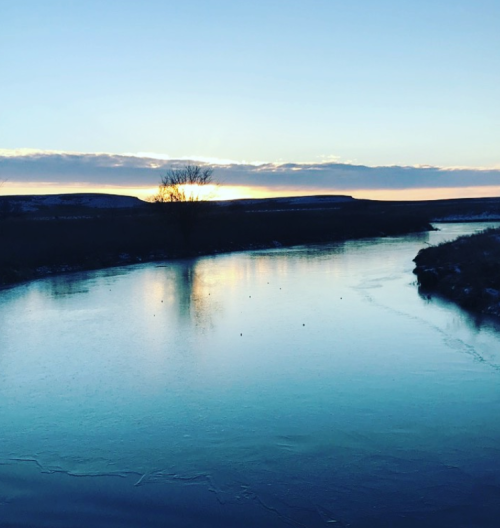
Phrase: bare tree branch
{"type": "Point", "coordinates": [180, 185]}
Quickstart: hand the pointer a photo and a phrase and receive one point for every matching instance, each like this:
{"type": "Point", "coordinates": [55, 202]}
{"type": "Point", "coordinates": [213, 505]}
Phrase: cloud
{"type": "Point", "coordinates": [34, 167]}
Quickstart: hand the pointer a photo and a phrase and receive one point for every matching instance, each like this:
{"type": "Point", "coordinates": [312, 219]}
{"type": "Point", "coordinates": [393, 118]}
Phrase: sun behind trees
{"type": "Point", "coordinates": [185, 184]}
{"type": "Point", "coordinates": [186, 189]}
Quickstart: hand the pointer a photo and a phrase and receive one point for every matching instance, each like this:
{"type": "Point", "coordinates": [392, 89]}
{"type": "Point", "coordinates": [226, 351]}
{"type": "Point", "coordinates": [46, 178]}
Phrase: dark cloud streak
{"type": "Point", "coordinates": [128, 171]}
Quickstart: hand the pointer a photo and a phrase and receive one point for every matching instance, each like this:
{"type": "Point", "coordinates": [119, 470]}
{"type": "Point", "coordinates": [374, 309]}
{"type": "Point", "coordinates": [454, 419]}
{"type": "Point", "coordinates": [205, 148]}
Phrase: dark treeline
{"type": "Point", "coordinates": [34, 245]}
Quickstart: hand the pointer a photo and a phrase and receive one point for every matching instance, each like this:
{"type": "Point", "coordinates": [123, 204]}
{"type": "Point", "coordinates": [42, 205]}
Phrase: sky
{"type": "Point", "coordinates": [281, 96]}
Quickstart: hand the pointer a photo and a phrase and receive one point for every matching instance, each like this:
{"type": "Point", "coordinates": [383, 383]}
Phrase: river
{"type": "Point", "coordinates": [309, 386]}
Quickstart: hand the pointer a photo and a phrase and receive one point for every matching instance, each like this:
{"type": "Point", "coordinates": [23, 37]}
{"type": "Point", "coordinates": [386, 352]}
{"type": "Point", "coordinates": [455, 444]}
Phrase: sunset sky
{"type": "Point", "coordinates": [375, 98]}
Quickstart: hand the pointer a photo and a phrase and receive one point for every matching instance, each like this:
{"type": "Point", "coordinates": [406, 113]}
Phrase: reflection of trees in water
{"type": "Point", "coordinates": [64, 285]}
{"type": "Point", "coordinates": [184, 284]}
{"type": "Point", "coordinates": [190, 294]}
{"type": "Point", "coordinates": [185, 287]}
{"type": "Point", "coordinates": [81, 282]}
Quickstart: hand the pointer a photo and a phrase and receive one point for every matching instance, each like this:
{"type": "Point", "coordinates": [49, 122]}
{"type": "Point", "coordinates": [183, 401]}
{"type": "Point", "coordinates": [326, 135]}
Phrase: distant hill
{"type": "Point", "coordinates": [79, 202]}
{"type": "Point", "coordinates": [289, 202]}
{"type": "Point", "coordinates": [40, 203]}
{"type": "Point", "coordinates": [91, 204]}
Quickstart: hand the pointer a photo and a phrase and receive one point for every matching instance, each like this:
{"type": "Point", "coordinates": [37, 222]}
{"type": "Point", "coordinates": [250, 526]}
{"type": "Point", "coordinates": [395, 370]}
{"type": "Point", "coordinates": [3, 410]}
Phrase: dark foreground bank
{"type": "Point", "coordinates": [59, 237]}
{"type": "Point", "coordinates": [466, 270]}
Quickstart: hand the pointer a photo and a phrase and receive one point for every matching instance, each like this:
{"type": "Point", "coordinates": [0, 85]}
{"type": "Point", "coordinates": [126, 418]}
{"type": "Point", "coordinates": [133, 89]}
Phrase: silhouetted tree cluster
{"type": "Point", "coordinates": [182, 188]}
{"type": "Point", "coordinates": [183, 184]}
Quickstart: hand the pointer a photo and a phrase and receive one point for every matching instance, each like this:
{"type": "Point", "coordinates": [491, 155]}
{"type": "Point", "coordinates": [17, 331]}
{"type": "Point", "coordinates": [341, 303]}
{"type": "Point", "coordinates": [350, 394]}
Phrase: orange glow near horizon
{"type": "Point", "coordinates": [234, 192]}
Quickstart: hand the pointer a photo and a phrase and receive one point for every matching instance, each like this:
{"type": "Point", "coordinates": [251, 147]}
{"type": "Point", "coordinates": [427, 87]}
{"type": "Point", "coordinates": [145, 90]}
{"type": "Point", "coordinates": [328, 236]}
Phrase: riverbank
{"type": "Point", "coordinates": [54, 240]}
{"type": "Point", "coordinates": [465, 270]}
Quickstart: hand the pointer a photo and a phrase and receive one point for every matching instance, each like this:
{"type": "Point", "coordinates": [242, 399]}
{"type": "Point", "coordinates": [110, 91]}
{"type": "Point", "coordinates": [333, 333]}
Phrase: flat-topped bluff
{"type": "Point", "coordinates": [40, 203]}
{"type": "Point", "coordinates": [19, 204]}
{"type": "Point", "coordinates": [453, 210]}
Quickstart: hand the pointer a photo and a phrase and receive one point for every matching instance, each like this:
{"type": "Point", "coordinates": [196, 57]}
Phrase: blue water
{"type": "Point", "coordinates": [308, 387]}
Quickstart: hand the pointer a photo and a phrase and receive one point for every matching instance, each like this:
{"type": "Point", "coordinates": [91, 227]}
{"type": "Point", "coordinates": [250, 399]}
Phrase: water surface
{"type": "Point", "coordinates": [308, 386]}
